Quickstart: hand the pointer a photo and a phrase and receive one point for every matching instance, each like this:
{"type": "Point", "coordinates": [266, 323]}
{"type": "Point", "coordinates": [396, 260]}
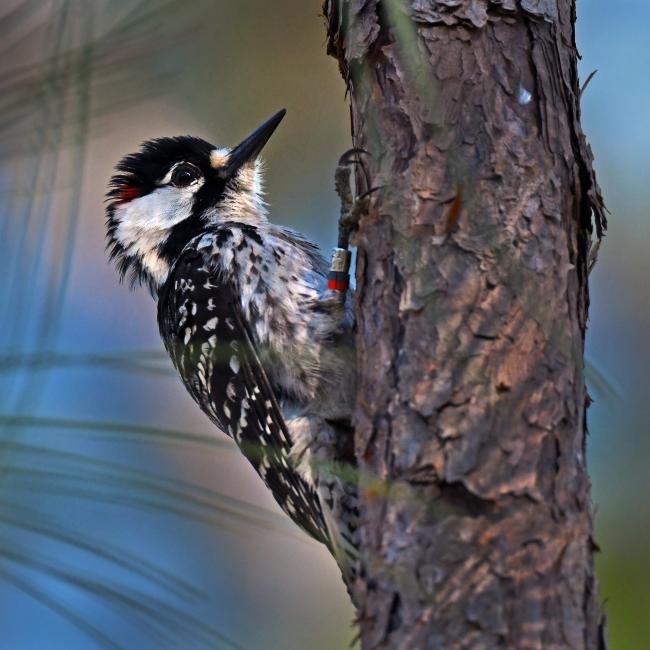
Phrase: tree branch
{"type": "Point", "coordinates": [472, 302]}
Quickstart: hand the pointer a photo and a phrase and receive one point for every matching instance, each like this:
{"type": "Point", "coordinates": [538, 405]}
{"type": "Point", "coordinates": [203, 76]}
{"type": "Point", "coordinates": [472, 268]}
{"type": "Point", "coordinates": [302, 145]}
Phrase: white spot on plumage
{"type": "Point", "coordinates": [211, 324]}
{"type": "Point", "coordinates": [234, 364]}
{"type": "Point", "coordinates": [188, 335]}
{"type": "Point", "coordinates": [143, 224]}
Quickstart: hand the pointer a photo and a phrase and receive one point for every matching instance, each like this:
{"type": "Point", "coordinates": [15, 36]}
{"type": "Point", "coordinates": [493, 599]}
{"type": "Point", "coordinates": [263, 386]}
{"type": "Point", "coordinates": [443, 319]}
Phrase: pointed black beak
{"type": "Point", "coordinates": [251, 147]}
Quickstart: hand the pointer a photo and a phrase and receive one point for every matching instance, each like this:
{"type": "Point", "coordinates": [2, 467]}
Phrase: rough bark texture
{"type": "Point", "coordinates": [472, 307]}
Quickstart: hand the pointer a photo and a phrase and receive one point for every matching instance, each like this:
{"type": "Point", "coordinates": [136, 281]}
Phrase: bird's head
{"type": "Point", "coordinates": [174, 188]}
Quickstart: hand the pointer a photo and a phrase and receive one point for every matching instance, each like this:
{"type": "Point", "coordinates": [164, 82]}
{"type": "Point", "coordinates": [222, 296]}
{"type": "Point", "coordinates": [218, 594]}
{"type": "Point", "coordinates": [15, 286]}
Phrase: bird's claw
{"type": "Point", "coordinates": [351, 156]}
{"type": "Point", "coordinates": [352, 207]}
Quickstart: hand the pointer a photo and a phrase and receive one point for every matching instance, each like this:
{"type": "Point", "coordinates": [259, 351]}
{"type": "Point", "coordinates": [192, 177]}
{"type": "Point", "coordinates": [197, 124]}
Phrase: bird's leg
{"type": "Point", "coordinates": [333, 301]}
{"type": "Point", "coordinates": [338, 279]}
{"type": "Point", "coordinates": [343, 186]}
{"type": "Point", "coordinates": [352, 205]}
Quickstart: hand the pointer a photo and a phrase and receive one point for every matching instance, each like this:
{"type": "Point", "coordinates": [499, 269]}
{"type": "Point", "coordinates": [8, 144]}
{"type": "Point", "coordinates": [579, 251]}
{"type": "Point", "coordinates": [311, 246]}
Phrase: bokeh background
{"type": "Point", "coordinates": [126, 521]}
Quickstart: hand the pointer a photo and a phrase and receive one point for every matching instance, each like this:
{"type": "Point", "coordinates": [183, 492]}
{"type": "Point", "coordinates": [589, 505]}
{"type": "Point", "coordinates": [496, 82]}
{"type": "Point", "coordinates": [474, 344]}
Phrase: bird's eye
{"type": "Point", "coordinates": [184, 174]}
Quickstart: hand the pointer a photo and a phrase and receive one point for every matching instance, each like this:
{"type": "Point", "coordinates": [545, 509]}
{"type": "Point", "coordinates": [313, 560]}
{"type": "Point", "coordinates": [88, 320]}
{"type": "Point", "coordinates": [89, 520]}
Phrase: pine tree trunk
{"type": "Point", "coordinates": [472, 302]}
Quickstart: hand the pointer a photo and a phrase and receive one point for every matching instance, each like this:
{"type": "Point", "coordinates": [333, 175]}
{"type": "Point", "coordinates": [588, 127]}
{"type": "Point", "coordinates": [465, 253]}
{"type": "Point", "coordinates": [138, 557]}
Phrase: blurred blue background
{"type": "Point", "coordinates": [126, 521]}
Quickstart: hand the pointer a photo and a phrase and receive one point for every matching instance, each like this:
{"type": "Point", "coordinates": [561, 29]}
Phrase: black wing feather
{"type": "Point", "coordinates": [211, 345]}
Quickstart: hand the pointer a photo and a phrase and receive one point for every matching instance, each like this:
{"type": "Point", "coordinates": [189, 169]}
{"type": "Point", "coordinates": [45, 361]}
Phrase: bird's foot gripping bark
{"type": "Point", "coordinates": [353, 206]}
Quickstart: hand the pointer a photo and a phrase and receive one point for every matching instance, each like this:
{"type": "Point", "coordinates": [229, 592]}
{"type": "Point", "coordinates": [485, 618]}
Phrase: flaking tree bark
{"type": "Point", "coordinates": [472, 301]}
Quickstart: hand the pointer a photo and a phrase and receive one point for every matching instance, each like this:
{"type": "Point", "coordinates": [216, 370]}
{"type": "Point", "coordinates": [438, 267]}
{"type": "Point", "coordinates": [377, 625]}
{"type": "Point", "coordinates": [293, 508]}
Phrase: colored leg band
{"type": "Point", "coordinates": [338, 278]}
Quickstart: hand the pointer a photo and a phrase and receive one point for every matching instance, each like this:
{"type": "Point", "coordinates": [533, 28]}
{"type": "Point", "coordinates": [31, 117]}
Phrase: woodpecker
{"type": "Point", "coordinates": [261, 343]}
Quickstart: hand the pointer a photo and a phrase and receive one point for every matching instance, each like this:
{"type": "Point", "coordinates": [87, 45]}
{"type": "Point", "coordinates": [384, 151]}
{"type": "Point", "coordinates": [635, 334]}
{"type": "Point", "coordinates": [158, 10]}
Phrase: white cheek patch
{"type": "Point", "coordinates": [154, 213]}
{"type": "Point", "coordinates": [143, 224]}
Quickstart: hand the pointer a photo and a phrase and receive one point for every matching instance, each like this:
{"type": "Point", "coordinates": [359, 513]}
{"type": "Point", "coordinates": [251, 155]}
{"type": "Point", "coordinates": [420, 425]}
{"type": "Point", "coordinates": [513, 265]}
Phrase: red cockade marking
{"type": "Point", "coordinates": [127, 193]}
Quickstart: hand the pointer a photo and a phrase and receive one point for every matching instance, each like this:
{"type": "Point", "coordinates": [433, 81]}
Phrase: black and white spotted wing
{"type": "Point", "coordinates": [211, 346]}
